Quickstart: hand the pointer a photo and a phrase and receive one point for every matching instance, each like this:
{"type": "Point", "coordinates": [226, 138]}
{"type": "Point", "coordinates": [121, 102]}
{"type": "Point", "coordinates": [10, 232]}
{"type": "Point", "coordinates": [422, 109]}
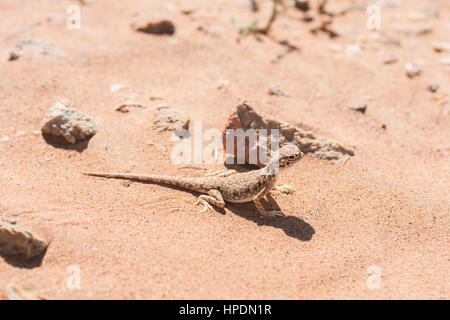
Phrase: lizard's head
{"type": "Point", "coordinates": [288, 155]}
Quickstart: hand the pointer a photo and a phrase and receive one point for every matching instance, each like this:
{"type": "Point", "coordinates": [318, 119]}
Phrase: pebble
{"type": "Point", "coordinates": [163, 27]}
{"type": "Point", "coordinates": [116, 87]}
{"type": "Point", "coordinates": [390, 60]}
{"type": "Point", "coordinates": [275, 91]}
{"type": "Point", "coordinates": [441, 46]}
{"type": "Point", "coordinates": [20, 133]}
{"type": "Point", "coordinates": [125, 107]}
{"type": "Point", "coordinates": [353, 50]}
{"type": "Point", "coordinates": [412, 70]}
{"type": "Point", "coordinates": [32, 48]}
{"type": "Point", "coordinates": [223, 85]}
{"type": "Point", "coordinates": [5, 138]}
{"type": "Point", "coordinates": [445, 61]}
{"type": "Point", "coordinates": [359, 107]}
{"type": "Point", "coordinates": [433, 87]}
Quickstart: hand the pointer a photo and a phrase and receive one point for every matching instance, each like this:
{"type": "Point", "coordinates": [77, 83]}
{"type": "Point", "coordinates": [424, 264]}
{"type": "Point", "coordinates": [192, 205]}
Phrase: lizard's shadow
{"type": "Point", "coordinates": [292, 226]}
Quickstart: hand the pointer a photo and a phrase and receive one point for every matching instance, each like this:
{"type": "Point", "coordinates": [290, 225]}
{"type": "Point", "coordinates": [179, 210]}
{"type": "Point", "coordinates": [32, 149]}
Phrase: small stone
{"type": "Point", "coordinates": [276, 91]}
{"type": "Point", "coordinates": [445, 61]}
{"type": "Point", "coordinates": [390, 60]}
{"type": "Point", "coordinates": [116, 87]}
{"type": "Point", "coordinates": [10, 220]}
{"type": "Point", "coordinates": [15, 241]}
{"type": "Point", "coordinates": [168, 119]}
{"type": "Point", "coordinates": [441, 46]}
{"type": "Point", "coordinates": [31, 48]}
{"type": "Point", "coordinates": [62, 120]}
{"type": "Point", "coordinates": [124, 108]}
{"type": "Point", "coordinates": [37, 132]}
{"type": "Point", "coordinates": [302, 5]}
{"type": "Point", "coordinates": [20, 133]}
{"type": "Point", "coordinates": [353, 50]}
{"type": "Point", "coordinates": [223, 85]}
{"type": "Point", "coordinates": [188, 10]}
{"type": "Point", "coordinates": [5, 138]}
{"type": "Point", "coordinates": [359, 108]}
{"type": "Point", "coordinates": [163, 27]}
{"type": "Point", "coordinates": [433, 87]}
{"type": "Point", "coordinates": [412, 70]}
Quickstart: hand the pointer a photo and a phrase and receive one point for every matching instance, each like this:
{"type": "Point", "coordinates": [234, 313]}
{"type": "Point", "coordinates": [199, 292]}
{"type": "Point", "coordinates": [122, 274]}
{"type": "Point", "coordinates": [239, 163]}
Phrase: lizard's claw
{"type": "Point", "coordinates": [286, 189]}
{"type": "Point", "coordinates": [220, 173]}
{"type": "Point", "coordinates": [274, 214]}
{"type": "Point", "coordinates": [206, 205]}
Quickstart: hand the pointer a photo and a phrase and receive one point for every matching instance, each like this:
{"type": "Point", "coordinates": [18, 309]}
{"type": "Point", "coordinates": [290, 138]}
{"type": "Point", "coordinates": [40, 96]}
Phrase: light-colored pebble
{"type": "Point", "coordinates": [412, 70]}
{"type": "Point", "coordinates": [353, 50]}
{"type": "Point", "coordinates": [116, 87]}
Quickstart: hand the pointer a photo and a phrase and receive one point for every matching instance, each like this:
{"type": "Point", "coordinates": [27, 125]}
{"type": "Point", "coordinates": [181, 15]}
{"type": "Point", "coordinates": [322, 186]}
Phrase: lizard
{"type": "Point", "coordinates": [249, 186]}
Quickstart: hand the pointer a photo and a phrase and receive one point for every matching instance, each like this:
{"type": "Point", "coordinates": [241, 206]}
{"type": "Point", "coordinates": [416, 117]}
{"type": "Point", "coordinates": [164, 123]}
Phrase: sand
{"type": "Point", "coordinates": [375, 227]}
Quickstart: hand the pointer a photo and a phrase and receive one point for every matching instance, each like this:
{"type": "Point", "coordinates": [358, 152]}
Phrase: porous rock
{"type": "Point", "coordinates": [168, 119]}
{"type": "Point", "coordinates": [62, 120]}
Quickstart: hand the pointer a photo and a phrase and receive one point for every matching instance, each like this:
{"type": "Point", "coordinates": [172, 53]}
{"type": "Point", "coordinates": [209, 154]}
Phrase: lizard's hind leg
{"type": "Point", "coordinates": [214, 197]}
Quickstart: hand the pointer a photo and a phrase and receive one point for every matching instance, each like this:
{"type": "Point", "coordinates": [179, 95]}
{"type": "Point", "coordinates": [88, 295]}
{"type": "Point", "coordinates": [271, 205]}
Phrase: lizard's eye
{"type": "Point", "coordinates": [292, 157]}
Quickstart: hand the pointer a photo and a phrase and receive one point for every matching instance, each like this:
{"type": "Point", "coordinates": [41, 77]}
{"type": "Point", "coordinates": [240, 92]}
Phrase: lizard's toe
{"type": "Point", "coordinates": [287, 189]}
{"type": "Point", "coordinates": [206, 206]}
{"type": "Point", "coordinates": [275, 214]}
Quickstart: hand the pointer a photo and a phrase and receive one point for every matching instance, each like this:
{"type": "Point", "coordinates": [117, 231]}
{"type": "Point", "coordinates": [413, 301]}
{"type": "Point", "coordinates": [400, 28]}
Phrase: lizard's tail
{"type": "Point", "coordinates": [181, 182]}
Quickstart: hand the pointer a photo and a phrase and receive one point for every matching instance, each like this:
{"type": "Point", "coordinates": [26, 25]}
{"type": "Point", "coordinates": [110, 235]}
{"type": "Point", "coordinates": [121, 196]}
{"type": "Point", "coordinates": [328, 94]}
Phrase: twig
{"type": "Point", "coordinates": [254, 6]}
{"type": "Point", "coordinates": [273, 16]}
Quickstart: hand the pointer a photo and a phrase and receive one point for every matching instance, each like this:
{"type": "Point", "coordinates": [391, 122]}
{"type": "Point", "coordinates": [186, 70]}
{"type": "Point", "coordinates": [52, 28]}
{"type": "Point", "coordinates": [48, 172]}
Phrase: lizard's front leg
{"type": "Point", "coordinates": [214, 197]}
{"type": "Point", "coordinates": [262, 210]}
{"type": "Point", "coordinates": [287, 189]}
